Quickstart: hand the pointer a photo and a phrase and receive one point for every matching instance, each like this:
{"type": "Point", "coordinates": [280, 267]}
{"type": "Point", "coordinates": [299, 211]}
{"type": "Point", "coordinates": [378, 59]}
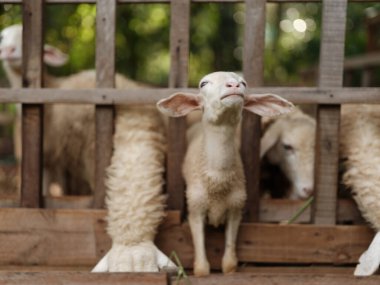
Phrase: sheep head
{"type": "Point", "coordinates": [11, 49]}
{"type": "Point", "coordinates": [289, 143]}
{"type": "Point", "coordinates": [222, 98]}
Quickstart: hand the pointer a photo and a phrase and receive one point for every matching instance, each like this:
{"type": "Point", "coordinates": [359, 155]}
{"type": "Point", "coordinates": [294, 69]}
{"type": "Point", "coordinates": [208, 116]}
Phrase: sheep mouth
{"type": "Point", "coordinates": [232, 94]}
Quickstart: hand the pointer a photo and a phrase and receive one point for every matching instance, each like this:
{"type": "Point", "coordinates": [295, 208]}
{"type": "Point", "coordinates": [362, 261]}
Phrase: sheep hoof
{"type": "Point", "coordinates": [201, 269]}
{"type": "Point", "coordinates": [229, 264]}
{"type": "Point", "coordinates": [368, 263]}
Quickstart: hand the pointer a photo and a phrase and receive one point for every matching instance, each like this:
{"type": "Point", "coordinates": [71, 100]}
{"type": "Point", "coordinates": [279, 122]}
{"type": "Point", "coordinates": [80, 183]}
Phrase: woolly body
{"type": "Point", "coordinates": [360, 149]}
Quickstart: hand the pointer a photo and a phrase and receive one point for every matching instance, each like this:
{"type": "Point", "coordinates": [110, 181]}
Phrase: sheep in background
{"type": "Point", "coordinates": [212, 167]}
{"type": "Point", "coordinates": [288, 141]}
{"type": "Point", "coordinates": [360, 149]}
{"type": "Point", "coordinates": [68, 139]}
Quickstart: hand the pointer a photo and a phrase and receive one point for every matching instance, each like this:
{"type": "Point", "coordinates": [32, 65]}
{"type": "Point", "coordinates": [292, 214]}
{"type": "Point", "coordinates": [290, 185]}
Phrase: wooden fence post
{"type": "Point", "coordinates": [105, 78]}
{"type": "Point", "coordinates": [179, 51]}
{"type": "Point", "coordinates": [253, 67]}
{"type": "Point", "coordinates": [328, 117]}
{"type": "Point", "coordinates": [32, 114]}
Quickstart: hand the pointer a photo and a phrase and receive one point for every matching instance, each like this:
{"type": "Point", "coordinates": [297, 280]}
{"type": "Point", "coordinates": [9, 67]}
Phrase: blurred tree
{"type": "Point", "coordinates": [216, 38]}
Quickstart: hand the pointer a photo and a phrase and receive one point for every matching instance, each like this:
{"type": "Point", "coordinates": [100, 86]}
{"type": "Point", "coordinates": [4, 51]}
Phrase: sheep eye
{"type": "Point", "coordinates": [203, 83]}
{"type": "Point", "coordinates": [287, 147]}
{"type": "Point", "coordinates": [244, 84]}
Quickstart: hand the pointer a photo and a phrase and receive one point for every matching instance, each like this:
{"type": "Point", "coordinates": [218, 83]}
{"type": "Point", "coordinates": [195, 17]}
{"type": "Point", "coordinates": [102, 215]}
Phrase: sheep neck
{"type": "Point", "coordinates": [13, 74]}
{"type": "Point", "coordinates": [219, 147]}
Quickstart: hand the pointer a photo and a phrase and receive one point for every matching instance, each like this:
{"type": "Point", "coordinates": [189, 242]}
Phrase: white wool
{"type": "Point", "coordinates": [360, 149]}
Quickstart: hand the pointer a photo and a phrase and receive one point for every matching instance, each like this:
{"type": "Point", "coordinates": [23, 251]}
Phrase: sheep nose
{"type": "Point", "coordinates": [308, 191]}
{"type": "Point", "coordinates": [232, 84]}
{"type": "Point", "coordinates": [7, 51]}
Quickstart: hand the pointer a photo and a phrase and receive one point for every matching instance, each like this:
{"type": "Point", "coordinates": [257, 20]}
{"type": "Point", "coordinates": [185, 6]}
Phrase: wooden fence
{"type": "Point", "coordinates": [321, 242]}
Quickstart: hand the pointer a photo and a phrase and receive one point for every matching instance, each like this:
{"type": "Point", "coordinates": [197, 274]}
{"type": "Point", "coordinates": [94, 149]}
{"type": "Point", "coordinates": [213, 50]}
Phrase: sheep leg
{"type": "Point", "coordinates": [142, 257]}
{"type": "Point", "coordinates": [369, 261]}
{"type": "Point", "coordinates": [201, 265]}
{"type": "Point", "coordinates": [230, 261]}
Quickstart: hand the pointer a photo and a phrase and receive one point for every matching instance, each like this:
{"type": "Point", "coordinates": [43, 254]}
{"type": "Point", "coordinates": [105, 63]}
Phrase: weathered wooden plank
{"type": "Point", "coordinates": [179, 50]}
{"type": "Point", "coordinates": [283, 279]}
{"type": "Point", "coordinates": [267, 243]}
{"type": "Point", "coordinates": [48, 278]}
{"type": "Point", "coordinates": [253, 68]}
{"type": "Point", "coordinates": [78, 238]}
{"type": "Point", "coordinates": [271, 210]}
{"type": "Point", "coordinates": [278, 210]}
{"type": "Point", "coordinates": [362, 61]}
{"type": "Point", "coordinates": [32, 115]}
{"type": "Point", "coordinates": [68, 202]}
{"type": "Point", "coordinates": [328, 117]}
{"type": "Point", "coordinates": [105, 78]}
{"type": "Point", "coordinates": [298, 95]}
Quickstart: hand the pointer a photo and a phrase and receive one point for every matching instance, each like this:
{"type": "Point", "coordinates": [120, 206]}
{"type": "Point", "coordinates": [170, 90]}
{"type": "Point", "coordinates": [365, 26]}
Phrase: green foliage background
{"type": "Point", "coordinates": [216, 39]}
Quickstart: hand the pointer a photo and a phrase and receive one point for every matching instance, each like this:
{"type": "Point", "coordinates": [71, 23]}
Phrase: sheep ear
{"type": "Point", "coordinates": [179, 104]}
{"type": "Point", "coordinates": [270, 138]}
{"type": "Point", "coordinates": [267, 104]}
{"type": "Point", "coordinates": [53, 56]}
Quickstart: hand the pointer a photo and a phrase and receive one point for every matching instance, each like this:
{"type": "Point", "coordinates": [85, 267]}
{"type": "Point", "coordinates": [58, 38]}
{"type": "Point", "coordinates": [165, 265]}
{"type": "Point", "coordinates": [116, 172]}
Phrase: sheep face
{"type": "Point", "coordinates": [222, 98]}
{"type": "Point", "coordinates": [289, 143]}
{"type": "Point", "coordinates": [222, 94]}
{"type": "Point", "coordinates": [11, 45]}
{"type": "Point", "coordinates": [11, 49]}
{"type": "Point", "coordinates": [295, 151]}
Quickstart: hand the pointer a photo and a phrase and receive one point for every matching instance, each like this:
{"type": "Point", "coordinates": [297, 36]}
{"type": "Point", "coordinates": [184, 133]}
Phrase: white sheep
{"type": "Point", "coordinates": [288, 141]}
{"type": "Point", "coordinates": [69, 129]}
{"type": "Point", "coordinates": [360, 150]}
{"type": "Point", "coordinates": [212, 167]}
{"type": "Point", "coordinates": [135, 177]}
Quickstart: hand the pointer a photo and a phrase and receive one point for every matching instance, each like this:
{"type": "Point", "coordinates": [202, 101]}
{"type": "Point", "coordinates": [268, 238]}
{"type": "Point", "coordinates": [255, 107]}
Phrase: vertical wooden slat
{"type": "Point", "coordinates": [32, 115]}
{"type": "Point", "coordinates": [253, 66]}
{"type": "Point", "coordinates": [327, 136]}
{"type": "Point", "coordinates": [179, 50]}
{"type": "Point", "coordinates": [105, 78]}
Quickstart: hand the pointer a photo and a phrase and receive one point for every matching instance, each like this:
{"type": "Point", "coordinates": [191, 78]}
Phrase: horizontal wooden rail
{"type": "Point", "coordinates": [362, 61]}
{"type": "Point", "coordinates": [270, 210]}
{"type": "Point", "coordinates": [168, 1]}
{"type": "Point", "coordinates": [298, 95]}
{"type": "Point", "coordinates": [281, 278]}
{"type": "Point", "coordinates": [77, 237]}
{"type": "Point", "coordinates": [71, 278]}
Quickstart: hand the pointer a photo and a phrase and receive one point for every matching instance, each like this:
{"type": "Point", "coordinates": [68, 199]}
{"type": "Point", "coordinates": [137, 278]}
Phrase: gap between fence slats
{"type": "Point", "coordinates": [253, 69]}
{"type": "Point", "coordinates": [179, 51]}
{"type": "Point", "coordinates": [328, 117]}
{"type": "Point", "coordinates": [105, 78]}
{"type": "Point", "coordinates": [32, 115]}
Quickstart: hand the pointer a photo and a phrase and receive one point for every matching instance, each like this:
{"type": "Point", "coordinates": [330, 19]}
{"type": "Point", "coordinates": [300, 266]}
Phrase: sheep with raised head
{"type": "Point", "coordinates": [212, 167]}
{"type": "Point", "coordinates": [360, 151]}
{"type": "Point", "coordinates": [288, 141]}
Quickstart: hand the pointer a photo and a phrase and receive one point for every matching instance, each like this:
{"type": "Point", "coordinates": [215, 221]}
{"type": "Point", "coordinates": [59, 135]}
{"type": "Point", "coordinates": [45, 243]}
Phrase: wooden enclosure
{"type": "Point", "coordinates": [36, 237]}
